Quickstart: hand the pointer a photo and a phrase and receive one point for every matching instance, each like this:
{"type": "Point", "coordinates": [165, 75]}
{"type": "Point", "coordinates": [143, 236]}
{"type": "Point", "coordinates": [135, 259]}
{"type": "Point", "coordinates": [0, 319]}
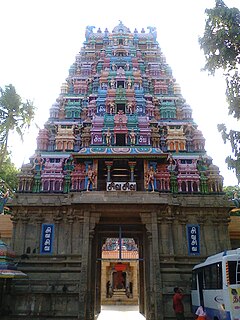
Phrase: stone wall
{"type": "Point", "coordinates": [65, 284]}
{"type": "Point", "coordinates": [5, 228]}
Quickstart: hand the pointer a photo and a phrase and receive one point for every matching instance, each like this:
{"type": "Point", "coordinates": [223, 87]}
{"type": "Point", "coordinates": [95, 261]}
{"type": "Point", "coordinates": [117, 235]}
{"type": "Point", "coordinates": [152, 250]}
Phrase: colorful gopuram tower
{"type": "Point", "coordinates": [120, 156]}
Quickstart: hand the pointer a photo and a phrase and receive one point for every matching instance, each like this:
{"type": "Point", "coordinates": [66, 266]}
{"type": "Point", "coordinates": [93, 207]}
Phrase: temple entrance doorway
{"type": "Point", "coordinates": [120, 273]}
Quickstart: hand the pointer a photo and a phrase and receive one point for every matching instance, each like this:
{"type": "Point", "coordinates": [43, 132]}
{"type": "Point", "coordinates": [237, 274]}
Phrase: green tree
{"type": "Point", "coordinates": [8, 175]}
{"type": "Point", "coordinates": [15, 115]}
{"type": "Point", "coordinates": [229, 190]}
{"type": "Point", "coordinates": [221, 46]}
{"type": "Point", "coordinates": [8, 183]}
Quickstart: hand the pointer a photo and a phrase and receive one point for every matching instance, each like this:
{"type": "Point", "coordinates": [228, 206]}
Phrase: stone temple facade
{"type": "Point", "coordinates": [120, 198]}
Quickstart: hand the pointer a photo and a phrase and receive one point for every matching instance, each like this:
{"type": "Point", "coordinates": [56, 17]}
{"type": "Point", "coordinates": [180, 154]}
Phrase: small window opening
{"type": "Point", "coordinates": [120, 84]}
{"type": "Point", "coordinates": [120, 139]}
{"type": "Point", "coordinates": [121, 107]}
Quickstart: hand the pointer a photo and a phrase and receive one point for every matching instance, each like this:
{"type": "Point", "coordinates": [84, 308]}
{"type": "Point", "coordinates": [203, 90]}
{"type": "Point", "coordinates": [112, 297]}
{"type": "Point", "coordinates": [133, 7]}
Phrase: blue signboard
{"type": "Point", "coordinates": [47, 238]}
{"type": "Point", "coordinates": [193, 238]}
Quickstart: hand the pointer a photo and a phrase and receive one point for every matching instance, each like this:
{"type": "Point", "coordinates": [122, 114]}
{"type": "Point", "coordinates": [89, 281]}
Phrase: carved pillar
{"type": "Point", "coordinates": [15, 221]}
{"type": "Point", "coordinates": [92, 258]}
{"type": "Point", "coordinates": [182, 218]}
{"type": "Point", "coordinates": [109, 165]}
{"type": "Point", "coordinates": [157, 269]}
{"type": "Point", "coordinates": [149, 284]}
{"type": "Point", "coordinates": [225, 220]}
{"type": "Point", "coordinates": [169, 221]}
{"type": "Point", "coordinates": [132, 165]}
{"type": "Point", "coordinates": [154, 286]}
{"type": "Point", "coordinates": [145, 217]}
{"type": "Point", "coordinates": [83, 279]}
{"type": "Point", "coordinates": [57, 218]}
{"type": "Point", "coordinates": [220, 224]}
{"type": "Point", "coordinates": [201, 219]}
{"type": "Point", "coordinates": [91, 280]}
{"type": "Point", "coordinates": [166, 219]}
{"type": "Point", "coordinates": [39, 220]}
{"type": "Point", "coordinates": [215, 221]}
{"type": "Point", "coordinates": [78, 231]}
{"type": "Point", "coordinates": [70, 220]}
{"type": "Point", "coordinates": [25, 219]}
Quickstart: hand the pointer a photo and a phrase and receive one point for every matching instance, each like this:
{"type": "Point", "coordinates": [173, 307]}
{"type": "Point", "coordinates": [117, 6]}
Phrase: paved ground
{"type": "Point", "coordinates": [120, 313]}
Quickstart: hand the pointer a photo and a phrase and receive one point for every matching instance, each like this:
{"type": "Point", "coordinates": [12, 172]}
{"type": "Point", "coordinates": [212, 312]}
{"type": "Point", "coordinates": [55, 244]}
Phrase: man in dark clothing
{"type": "Point", "coordinates": [177, 304]}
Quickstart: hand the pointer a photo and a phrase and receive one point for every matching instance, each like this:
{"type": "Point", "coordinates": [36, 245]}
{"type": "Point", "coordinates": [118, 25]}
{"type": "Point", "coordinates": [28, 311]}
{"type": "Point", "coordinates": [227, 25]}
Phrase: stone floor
{"type": "Point", "coordinates": [120, 313]}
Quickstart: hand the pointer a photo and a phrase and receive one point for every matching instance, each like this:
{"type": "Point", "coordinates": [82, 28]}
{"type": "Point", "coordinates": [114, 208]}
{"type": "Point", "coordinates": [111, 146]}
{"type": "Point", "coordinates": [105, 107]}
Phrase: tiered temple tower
{"type": "Point", "coordinates": [120, 113]}
{"type": "Point", "coordinates": [120, 155]}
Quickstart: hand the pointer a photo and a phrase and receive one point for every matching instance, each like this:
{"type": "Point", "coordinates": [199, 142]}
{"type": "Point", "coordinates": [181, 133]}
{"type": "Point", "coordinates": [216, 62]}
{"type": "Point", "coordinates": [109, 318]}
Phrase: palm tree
{"type": "Point", "coordinates": [15, 115]}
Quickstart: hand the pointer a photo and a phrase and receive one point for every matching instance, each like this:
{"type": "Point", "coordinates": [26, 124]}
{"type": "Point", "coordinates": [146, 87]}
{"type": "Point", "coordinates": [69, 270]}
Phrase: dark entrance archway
{"type": "Point", "coordinates": [122, 231]}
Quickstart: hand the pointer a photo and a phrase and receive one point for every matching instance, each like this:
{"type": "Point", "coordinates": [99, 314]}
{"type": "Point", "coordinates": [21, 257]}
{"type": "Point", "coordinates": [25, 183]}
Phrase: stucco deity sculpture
{"type": "Point", "coordinates": [108, 137]}
{"type": "Point", "coordinates": [150, 178]}
{"type": "Point", "coordinates": [91, 175]}
{"type": "Point", "coordinates": [132, 136]}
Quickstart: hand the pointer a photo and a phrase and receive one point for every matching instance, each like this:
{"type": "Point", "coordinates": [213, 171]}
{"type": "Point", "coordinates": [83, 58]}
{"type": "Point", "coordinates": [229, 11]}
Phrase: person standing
{"type": "Point", "coordinates": [178, 304]}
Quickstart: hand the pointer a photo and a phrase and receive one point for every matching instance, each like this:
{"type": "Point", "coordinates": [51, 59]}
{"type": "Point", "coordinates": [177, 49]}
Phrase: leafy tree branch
{"type": "Point", "coordinates": [15, 115]}
{"type": "Point", "coordinates": [221, 46]}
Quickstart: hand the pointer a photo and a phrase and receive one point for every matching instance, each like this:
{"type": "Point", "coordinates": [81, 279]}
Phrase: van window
{"type": "Point", "coordinates": [213, 276]}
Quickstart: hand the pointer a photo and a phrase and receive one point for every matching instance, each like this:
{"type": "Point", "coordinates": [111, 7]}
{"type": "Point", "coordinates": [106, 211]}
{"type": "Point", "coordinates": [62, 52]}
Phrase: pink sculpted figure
{"type": "Point", "coordinates": [150, 178]}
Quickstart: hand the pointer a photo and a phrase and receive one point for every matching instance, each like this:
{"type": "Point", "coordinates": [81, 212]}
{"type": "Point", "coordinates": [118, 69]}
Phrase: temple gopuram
{"type": "Point", "coordinates": [119, 200]}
